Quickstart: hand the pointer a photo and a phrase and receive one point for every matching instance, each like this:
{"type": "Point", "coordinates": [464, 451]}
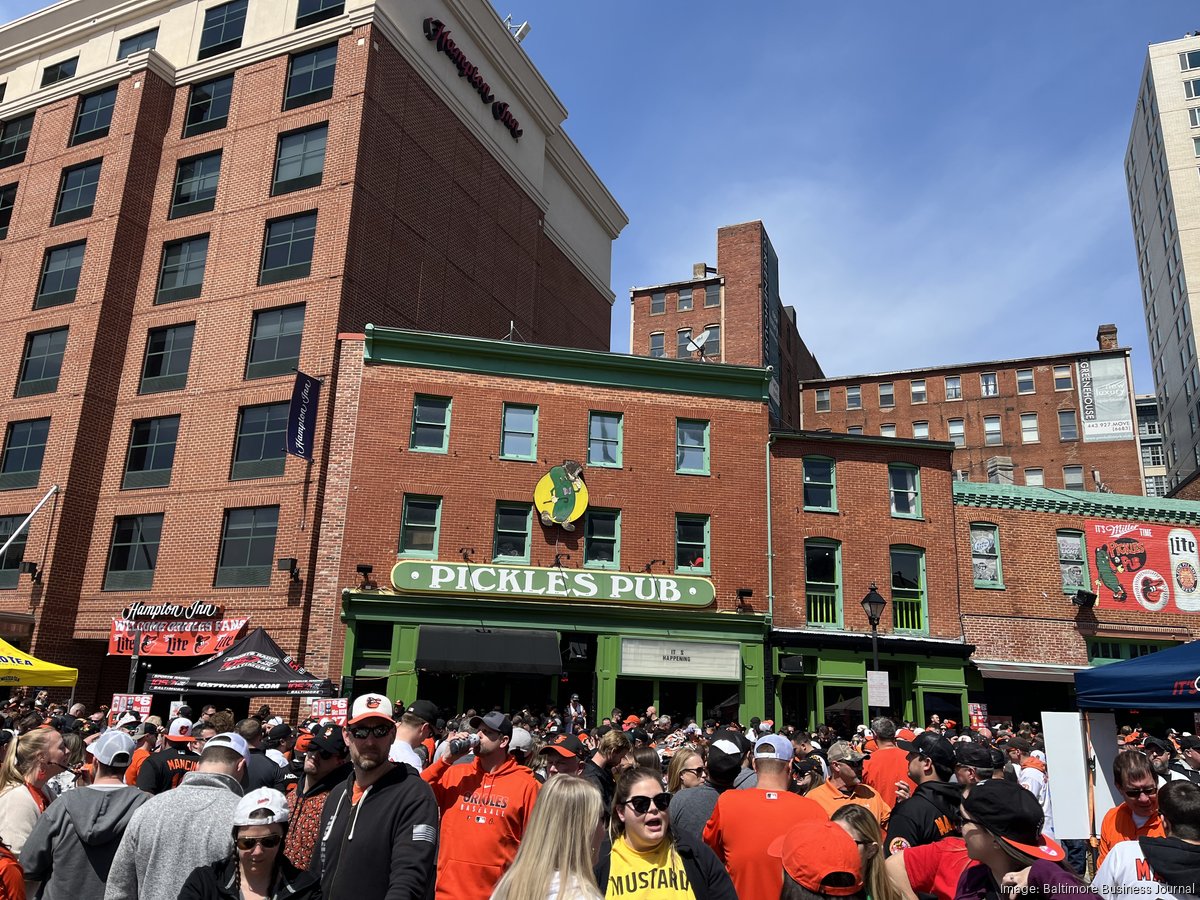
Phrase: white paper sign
{"type": "Point", "coordinates": [879, 691]}
{"type": "Point", "coordinates": [681, 659]}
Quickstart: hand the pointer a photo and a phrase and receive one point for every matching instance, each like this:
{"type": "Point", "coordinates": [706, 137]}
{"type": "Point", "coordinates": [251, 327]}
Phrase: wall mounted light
{"type": "Point", "coordinates": [288, 564]}
{"type": "Point", "coordinates": [30, 568]}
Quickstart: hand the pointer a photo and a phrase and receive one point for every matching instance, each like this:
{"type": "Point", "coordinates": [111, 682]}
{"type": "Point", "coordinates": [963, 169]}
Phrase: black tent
{"type": "Point", "coordinates": [252, 667]}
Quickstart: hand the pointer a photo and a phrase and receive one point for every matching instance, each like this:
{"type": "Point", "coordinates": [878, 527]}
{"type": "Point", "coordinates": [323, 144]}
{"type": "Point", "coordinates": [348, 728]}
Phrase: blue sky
{"type": "Point", "coordinates": [942, 180]}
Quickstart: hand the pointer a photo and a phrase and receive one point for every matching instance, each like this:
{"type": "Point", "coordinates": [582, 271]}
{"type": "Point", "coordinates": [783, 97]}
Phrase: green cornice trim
{"type": "Point", "coordinates": [596, 368]}
{"type": "Point", "coordinates": [1076, 503]}
{"type": "Point", "coordinates": [870, 440]}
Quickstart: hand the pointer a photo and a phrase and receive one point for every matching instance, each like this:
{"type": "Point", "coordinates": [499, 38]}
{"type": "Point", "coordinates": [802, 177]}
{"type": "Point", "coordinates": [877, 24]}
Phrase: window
{"type": "Point", "coordinates": [657, 350]}
{"type": "Point", "coordinates": [1029, 428]}
{"type": "Point", "coordinates": [691, 447]}
{"type": "Point", "coordinates": [1024, 381]}
{"type": "Point", "coordinates": [60, 275]}
{"type": "Point", "coordinates": [24, 447]}
{"type": "Point", "coordinates": [712, 344]}
{"type": "Point", "coordinates": [853, 397]}
{"type": "Point", "coordinates": [822, 399]}
{"type": "Point", "coordinates": [987, 385]}
{"type": "Point", "coordinates": [985, 555]}
{"type": "Point", "coordinates": [258, 450]}
{"type": "Point", "coordinates": [419, 526]}
{"type": "Point", "coordinates": [888, 429]}
{"type": "Point", "coordinates": [1196, 146]}
{"type": "Point", "coordinates": [275, 341]}
{"type": "Point", "coordinates": [1034, 478]}
{"type": "Point", "coordinates": [208, 106]}
{"type": "Point", "coordinates": [10, 561]}
{"type": "Point", "coordinates": [1156, 486]}
{"type": "Point", "coordinates": [917, 390]}
{"type": "Point", "coordinates": [921, 431]}
{"type": "Point", "coordinates": [151, 453]}
{"type": "Point", "coordinates": [823, 583]}
{"type": "Point", "coordinates": [513, 523]}
{"type": "Point", "coordinates": [904, 485]}
{"type": "Point", "coordinates": [59, 71]}
{"type": "Point", "coordinates": [300, 159]}
{"type": "Point", "coordinates": [1072, 561]}
{"type": "Point", "coordinates": [908, 589]}
{"type": "Point", "coordinates": [94, 114]}
{"type": "Point", "coordinates": [1191, 89]}
{"type": "Point", "coordinates": [1062, 378]}
{"type": "Point", "coordinates": [8, 199]}
{"type": "Point", "coordinates": [820, 483]}
{"type": "Point", "coordinates": [182, 275]}
{"type": "Point", "coordinates": [658, 303]}
{"type": "Point", "coordinates": [887, 394]}
{"type": "Point", "coordinates": [602, 539]}
{"type": "Point", "coordinates": [1189, 60]}
{"type": "Point", "coordinates": [147, 40]}
{"type": "Point", "coordinates": [288, 248]}
{"type": "Point", "coordinates": [518, 435]}
{"type": "Point", "coordinates": [1067, 429]}
{"type": "Point", "coordinates": [222, 31]}
{"type": "Point", "coordinates": [604, 439]}
{"type": "Point", "coordinates": [1073, 478]}
{"type": "Point", "coordinates": [953, 387]}
{"type": "Point", "coordinates": [196, 185]}
{"type": "Point", "coordinates": [685, 299]}
{"type": "Point", "coordinates": [77, 192]}
{"type": "Point", "coordinates": [691, 544]}
{"type": "Point", "coordinates": [134, 553]}
{"type": "Point", "coordinates": [991, 431]}
{"type": "Point", "coordinates": [312, 11]}
{"type": "Point", "coordinates": [853, 429]}
{"type": "Point", "coordinates": [41, 362]}
{"type": "Point", "coordinates": [310, 77]}
{"type": "Point", "coordinates": [683, 337]}
{"type": "Point", "coordinates": [168, 355]}
{"type": "Point", "coordinates": [14, 140]}
{"type": "Point", "coordinates": [248, 547]}
{"type": "Point", "coordinates": [1194, 116]}
{"type": "Point", "coordinates": [957, 433]}
{"type": "Point", "coordinates": [430, 431]}
{"type": "Point", "coordinates": [712, 295]}
{"type": "Point", "coordinates": [1152, 455]}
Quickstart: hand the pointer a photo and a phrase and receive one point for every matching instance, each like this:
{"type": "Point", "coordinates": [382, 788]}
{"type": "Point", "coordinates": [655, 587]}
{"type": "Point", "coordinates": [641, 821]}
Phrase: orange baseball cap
{"type": "Point", "coordinates": [820, 856]}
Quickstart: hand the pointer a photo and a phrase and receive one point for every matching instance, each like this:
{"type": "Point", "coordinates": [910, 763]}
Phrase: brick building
{"type": "Point", "coordinates": [1059, 421]}
{"type": "Point", "coordinates": [738, 307]}
{"type": "Point", "coordinates": [195, 199]}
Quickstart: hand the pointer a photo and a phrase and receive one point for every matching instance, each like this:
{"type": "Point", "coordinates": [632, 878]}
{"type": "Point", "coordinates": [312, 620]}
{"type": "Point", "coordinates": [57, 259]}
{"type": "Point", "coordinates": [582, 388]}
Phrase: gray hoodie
{"type": "Point", "coordinates": [71, 847]}
{"type": "Point", "coordinates": [173, 833]}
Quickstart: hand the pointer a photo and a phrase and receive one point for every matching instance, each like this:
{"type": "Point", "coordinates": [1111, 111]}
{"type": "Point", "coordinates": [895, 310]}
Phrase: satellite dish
{"type": "Point", "coordinates": [696, 344]}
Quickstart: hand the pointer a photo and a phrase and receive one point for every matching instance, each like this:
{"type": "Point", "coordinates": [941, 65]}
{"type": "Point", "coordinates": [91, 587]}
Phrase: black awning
{"type": "Point", "coordinates": [453, 648]}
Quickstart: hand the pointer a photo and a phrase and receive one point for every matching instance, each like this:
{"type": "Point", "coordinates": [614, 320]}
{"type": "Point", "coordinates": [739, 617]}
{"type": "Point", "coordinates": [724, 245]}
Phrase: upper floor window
{"type": "Point", "coordinates": [602, 539]}
{"type": "Point", "coordinates": [420, 523]}
{"type": "Point", "coordinates": [258, 449]}
{"type": "Point", "coordinates": [93, 116]}
{"type": "Point", "coordinates": [196, 181]}
{"type": "Point", "coordinates": [151, 453]}
{"type": "Point", "coordinates": [691, 446]}
{"type": "Point", "coordinates": [182, 273]}
{"type": "Point", "coordinates": [1034, 477]}
{"type": "Point", "coordinates": [851, 429]}
{"type": "Point", "coordinates": [853, 396]}
{"type": "Point", "coordinates": [712, 343]}
{"type": "Point", "coordinates": [1068, 430]}
{"type": "Point", "coordinates": [685, 299]}
{"type": "Point", "coordinates": [168, 355]}
{"type": "Point", "coordinates": [77, 192]}
{"type": "Point", "coordinates": [683, 342]}
{"type": "Point", "coordinates": [1029, 428]}
{"type": "Point", "coordinates": [8, 199]}
{"type": "Point", "coordinates": [904, 487]}
{"type": "Point", "coordinates": [1062, 378]}
{"type": "Point", "coordinates": [985, 555]}
{"type": "Point", "coordinates": [953, 387]}
{"type": "Point", "coordinates": [820, 483]}
{"type": "Point", "coordinates": [310, 77]}
{"type": "Point", "coordinates": [822, 400]}
{"type": "Point", "coordinates": [1189, 59]}
{"type": "Point", "coordinates": [14, 140]}
{"type": "Point", "coordinates": [514, 522]}
{"type": "Point", "coordinates": [1073, 478]}
{"type": "Point", "coordinates": [987, 385]}
{"type": "Point", "coordinates": [223, 27]}
{"type": "Point", "coordinates": [908, 589]}
{"type": "Point", "coordinates": [691, 544]}
{"type": "Point", "coordinates": [823, 583]}
{"type": "Point", "coordinates": [921, 430]}
{"type": "Point", "coordinates": [887, 429]}
{"type": "Point", "coordinates": [288, 248]}
{"type": "Point", "coordinates": [430, 424]}
{"type": "Point", "coordinates": [41, 362]}
{"type": "Point", "coordinates": [134, 553]}
{"type": "Point", "coordinates": [248, 547]}
{"type": "Point", "coordinates": [275, 341]}
{"type": "Point", "coordinates": [658, 302]}
{"type": "Point", "coordinates": [1072, 560]}
{"type": "Point", "coordinates": [300, 159]}
{"type": "Point", "coordinates": [310, 12]}
{"type": "Point", "coordinates": [712, 295]}
{"type": "Point", "coordinates": [918, 390]}
{"type": "Point", "coordinates": [24, 449]}
{"type": "Point", "coordinates": [60, 275]}
{"type": "Point", "coordinates": [956, 429]}
{"type": "Point", "coordinates": [10, 560]}
{"type": "Point", "coordinates": [145, 40]}
{"type": "Point", "coordinates": [1024, 381]}
{"type": "Point", "coordinates": [59, 71]}
{"type": "Point", "coordinates": [991, 431]}
{"type": "Point", "coordinates": [518, 432]}
{"type": "Point", "coordinates": [1191, 89]}
{"type": "Point", "coordinates": [604, 439]}
{"type": "Point", "coordinates": [887, 394]}
{"type": "Point", "coordinates": [657, 345]}
{"type": "Point", "coordinates": [208, 106]}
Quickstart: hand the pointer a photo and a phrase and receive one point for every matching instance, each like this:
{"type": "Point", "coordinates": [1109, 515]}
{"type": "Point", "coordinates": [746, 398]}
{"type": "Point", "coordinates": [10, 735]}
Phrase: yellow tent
{"type": "Point", "coordinates": [17, 667]}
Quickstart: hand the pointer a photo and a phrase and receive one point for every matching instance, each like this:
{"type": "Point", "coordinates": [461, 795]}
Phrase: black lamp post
{"type": "Point", "coordinates": [873, 605]}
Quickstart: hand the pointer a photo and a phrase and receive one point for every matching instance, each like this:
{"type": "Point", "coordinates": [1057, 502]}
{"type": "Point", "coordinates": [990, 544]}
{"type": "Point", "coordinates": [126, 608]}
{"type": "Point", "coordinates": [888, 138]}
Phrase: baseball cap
{"type": "Point", "coordinates": [113, 748]}
{"type": "Point", "coordinates": [1013, 815]}
{"type": "Point", "coordinates": [1189, 742]}
{"type": "Point", "coordinates": [228, 739]}
{"type": "Point", "coordinates": [497, 721]}
{"type": "Point", "coordinates": [1156, 743]}
{"type": "Point", "coordinates": [1019, 743]}
{"type": "Point", "coordinates": [330, 739]}
{"type": "Point", "coordinates": [841, 751]}
{"type": "Point", "coordinates": [263, 798]}
{"type": "Point", "coordinates": [932, 746]}
{"type": "Point", "coordinates": [821, 857]}
{"type": "Point", "coordinates": [806, 765]}
{"type": "Point", "coordinates": [631, 719]}
{"type": "Point", "coordinates": [180, 730]}
{"type": "Point", "coordinates": [968, 753]}
{"type": "Point", "coordinates": [128, 720]}
{"type": "Point", "coordinates": [370, 706]}
{"type": "Point", "coordinates": [425, 710]}
{"type": "Point", "coordinates": [280, 732]}
{"type": "Point", "coordinates": [521, 741]}
{"type": "Point", "coordinates": [565, 745]}
{"type": "Point", "coordinates": [773, 746]}
{"type": "Point", "coordinates": [725, 752]}
{"type": "Point", "coordinates": [146, 729]}
{"type": "Point", "coordinates": [906, 734]}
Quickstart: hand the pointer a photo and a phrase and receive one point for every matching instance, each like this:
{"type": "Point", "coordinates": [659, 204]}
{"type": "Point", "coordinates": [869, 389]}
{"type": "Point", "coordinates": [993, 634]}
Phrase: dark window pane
{"type": "Point", "coordinates": [24, 447]}
{"type": "Point", "coordinates": [151, 452]}
{"type": "Point", "coordinates": [259, 449]}
{"type": "Point", "coordinates": [310, 77]}
{"type": "Point", "coordinates": [275, 341]}
{"type": "Point", "coordinates": [42, 362]}
{"type": "Point", "coordinates": [60, 275]}
{"type": "Point", "coordinates": [223, 27]}
{"type": "Point", "coordinates": [10, 560]}
{"type": "Point", "coordinates": [820, 563]}
{"type": "Point", "coordinates": [182, 275]}
{"type": "Point", "coordinates": [94, 115]}
{"type": "Point", "coordinates": [14, 140]}
{"type": "Point", "coordinates": [288, 248]}
{"type": "Point", "coordinates": [168, 355]}
{"type": "Point", "coordinates": [134, 553]}
{"type": "Point", "coordinates": [313, 11]}
{"type": "Point", "coordinates": [208, 106]}
{"type": "Point", "coordinates": [248, 547]}
{"type": "Point", "coordinates": [59, 71]}
{"type": "Point", "coordinates": [77, 192]}
{"type": "Point", "coordinates": [147, 40]}
{"type": "Point", "coordinates": [196, 185]}
{"type": "Point", "coordinates": [300, 159]}
{"type": "Point", "coordinates": [8, 198]}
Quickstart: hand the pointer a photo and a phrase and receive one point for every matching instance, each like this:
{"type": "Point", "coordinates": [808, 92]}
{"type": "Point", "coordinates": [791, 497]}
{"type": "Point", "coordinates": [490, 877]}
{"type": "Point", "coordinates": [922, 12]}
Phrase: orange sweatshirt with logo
{"type": "Point", "coordinates": [483, 819]}
{"type": "Point", "coordinates": [1118, 825]}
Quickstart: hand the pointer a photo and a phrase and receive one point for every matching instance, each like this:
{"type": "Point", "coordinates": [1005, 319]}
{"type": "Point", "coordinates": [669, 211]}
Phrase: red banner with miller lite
{"type": "Point", "coordinates": [1137, 567]}
{"type": "Point", "coordinates": [174, 637]}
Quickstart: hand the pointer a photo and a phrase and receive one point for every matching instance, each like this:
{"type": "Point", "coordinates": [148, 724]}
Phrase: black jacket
{"type": "Point", "coordinates": [603, 779]}
{"type": "Point", "coordinates": [382, 848]}
{"type": "Point", "coordinates": [165, 769]}
{"type": "Point", "coordinates": [929, 815]}
{"type": "Point", "coordinates": [219, 881]}
{"type": "Point", "coordinates": [1175, 862]}
{"type": "Point", "coordinates": [262, 771]}
{"type": "Point", "coordinates": [708, 877]}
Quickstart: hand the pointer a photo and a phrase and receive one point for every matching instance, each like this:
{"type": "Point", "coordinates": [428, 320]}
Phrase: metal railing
{"type": "Point", "coordinates": [907, 613]}
{"type": "Point", "coordinates": [823, 608]}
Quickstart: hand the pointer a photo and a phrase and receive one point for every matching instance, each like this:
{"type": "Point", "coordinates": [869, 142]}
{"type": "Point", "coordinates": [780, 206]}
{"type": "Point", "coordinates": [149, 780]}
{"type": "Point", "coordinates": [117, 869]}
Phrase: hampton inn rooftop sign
{"type": "Point", "coordinates": [421, 576]}
{"type": "Point", "coordinates": [436, 31]}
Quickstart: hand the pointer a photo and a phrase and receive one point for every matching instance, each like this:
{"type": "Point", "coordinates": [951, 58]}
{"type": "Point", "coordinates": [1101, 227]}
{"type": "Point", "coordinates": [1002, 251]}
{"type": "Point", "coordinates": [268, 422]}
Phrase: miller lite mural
{"type": "Point", "coordinates": [1155, 568]}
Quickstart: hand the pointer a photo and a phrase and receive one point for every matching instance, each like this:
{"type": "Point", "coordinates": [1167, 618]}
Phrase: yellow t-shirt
{"type": "Point", "coordinates": [655, 875]}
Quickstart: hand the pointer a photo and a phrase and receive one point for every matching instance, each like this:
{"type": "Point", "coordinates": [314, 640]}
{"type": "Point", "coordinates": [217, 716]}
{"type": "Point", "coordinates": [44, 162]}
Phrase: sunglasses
{"type": "Point", "coordinates": [362, 732]}
{"type": "Point", "coordinates": [641, 805]}
{"type": "Point", "coordinates": [1134, 794]}
{"type": "Point", "coordinates": [698, 771]}
{"type": "Point", "coordinates": [269, 842]}
{"type": "Point", "coordinates": [324, 754]}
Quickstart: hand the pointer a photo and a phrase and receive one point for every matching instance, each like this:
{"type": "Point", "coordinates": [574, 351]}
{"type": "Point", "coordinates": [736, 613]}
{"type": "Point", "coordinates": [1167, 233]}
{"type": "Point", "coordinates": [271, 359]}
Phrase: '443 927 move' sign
{"type": "Point", "coordinates": [491, 579]}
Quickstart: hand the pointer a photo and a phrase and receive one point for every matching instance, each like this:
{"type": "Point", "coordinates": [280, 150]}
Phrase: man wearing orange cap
{"type": "Point", "coordinates": [819, 859]}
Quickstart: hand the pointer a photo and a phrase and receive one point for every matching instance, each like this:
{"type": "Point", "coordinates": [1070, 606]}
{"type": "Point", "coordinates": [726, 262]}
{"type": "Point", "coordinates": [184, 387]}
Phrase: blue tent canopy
{"type": "Point", "coordinates": [1168, 679]}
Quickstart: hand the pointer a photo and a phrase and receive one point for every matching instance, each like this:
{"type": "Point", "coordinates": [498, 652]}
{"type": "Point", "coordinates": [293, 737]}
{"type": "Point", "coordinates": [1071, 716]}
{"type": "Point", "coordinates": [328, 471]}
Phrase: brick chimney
{"type": "Point", "coordinates": [1106, 337]}
{"type": "Point", "coordinates": [698, 270]}
{"type": "Point", "coordinates": [1000, 470]}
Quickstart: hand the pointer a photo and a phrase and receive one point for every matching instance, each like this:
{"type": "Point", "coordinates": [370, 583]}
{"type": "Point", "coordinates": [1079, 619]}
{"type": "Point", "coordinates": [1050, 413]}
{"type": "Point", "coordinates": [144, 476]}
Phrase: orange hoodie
{"type": "Point", "coordinates": [483, 818]}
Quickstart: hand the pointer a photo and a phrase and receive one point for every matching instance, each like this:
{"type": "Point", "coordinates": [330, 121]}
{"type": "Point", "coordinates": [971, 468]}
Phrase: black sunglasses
{"type": "Point", "coordinates": [324, 754]}
{"type": "Point", "coordinates": [641, 805]}
{"type": "Point", "coordinates": [268, 842]}
{"type": "Point", "coordinates": [363, 732]}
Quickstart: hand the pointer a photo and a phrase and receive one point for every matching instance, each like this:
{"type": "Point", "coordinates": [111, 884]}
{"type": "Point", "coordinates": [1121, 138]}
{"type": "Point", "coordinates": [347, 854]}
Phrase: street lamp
{"type": "Point", "coordinates": [873, 605]}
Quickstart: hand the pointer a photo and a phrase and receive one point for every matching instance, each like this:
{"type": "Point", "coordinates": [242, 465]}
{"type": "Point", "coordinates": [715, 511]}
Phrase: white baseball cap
{"type": "Point", "coordinates": [113, 748]}
{"type": "Point", "coordinates": [231, 740]}
{"type": "Point", "coordinates": [181, 730]}
{"type": "Point", "coordinates": [370, 706]}
{"type": "Point", "coordinates": [259, 799]}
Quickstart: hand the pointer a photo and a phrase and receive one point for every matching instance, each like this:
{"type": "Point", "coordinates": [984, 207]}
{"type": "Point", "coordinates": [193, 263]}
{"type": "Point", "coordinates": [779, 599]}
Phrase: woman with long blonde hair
{"type": "Point", "coordinates": [860, 823]}
{"type": "Point", "coordinates": [560, 845]}
{"type": "Point", "coordinates": [686, 770]}
{"type": "Point", "coordinates": [35, 757]}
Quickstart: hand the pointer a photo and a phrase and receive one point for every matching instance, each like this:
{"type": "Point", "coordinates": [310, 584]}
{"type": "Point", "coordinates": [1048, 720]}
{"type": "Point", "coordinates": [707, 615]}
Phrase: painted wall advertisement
{"type": "Point", "coordinates": [1144, 567]}
{"type": "Point", "coordinates": [1104, 399]}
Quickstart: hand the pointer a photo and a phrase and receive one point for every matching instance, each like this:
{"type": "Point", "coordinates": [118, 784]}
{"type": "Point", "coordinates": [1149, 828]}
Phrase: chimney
{"type": "Point", "coordinates": [1106, 337]}
{"type": "Point", "coordinates": [698, 270]}
{"type": "Point", "coordinates": [1000, 470]}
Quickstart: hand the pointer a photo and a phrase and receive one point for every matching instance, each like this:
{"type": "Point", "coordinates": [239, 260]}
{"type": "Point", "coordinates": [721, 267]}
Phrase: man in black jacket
{"type": "Point", "coordinates": [932, 812]}
{"type": "Point", "coordinates": [165, 769]}
{"type": "Point", "coordinates": [379, 828]}
{"type": "Point", "coordinates": [261, 770]}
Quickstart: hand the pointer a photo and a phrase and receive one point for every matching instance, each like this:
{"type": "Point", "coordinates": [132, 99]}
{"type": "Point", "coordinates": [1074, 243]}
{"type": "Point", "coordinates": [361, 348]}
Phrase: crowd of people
{"type": "Point", "coordinates": [398, 803]}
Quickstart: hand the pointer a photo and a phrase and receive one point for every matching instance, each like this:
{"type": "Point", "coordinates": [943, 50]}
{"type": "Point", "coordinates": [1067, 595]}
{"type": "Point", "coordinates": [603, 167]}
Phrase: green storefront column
{"type": "Point", "coordinates": [608, 665]}
{"type": "Point", "coordinates": [753, 681]}
{"type": "Point", "coordinates": [948, 677]}
{"type": "Point", "coordinates": [402, 678]}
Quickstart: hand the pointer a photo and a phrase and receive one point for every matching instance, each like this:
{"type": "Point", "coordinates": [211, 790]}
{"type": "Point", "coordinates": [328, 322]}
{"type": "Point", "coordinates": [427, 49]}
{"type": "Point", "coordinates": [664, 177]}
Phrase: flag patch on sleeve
{"type": "Point", "coordinates": [425, 833]}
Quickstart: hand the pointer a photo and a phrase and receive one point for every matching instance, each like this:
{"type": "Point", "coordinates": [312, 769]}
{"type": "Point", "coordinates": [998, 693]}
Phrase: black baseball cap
{"type": "Point", "coordinates": [280, 732]}
{"type": "Point", "coordinates": [330, 739]}
{"type": "Point", "coordinates": [497, 721]}
{"type": "Point", "coordinates": [425, 710]}
{"type": "Point", "coordinates": [1013, 815]}
{"type": "Point", "coordinates": [933, 747]}
{"type": "Point", "coordinates": [1156, 743]}
{"type": "Point", "coordinates": [977, 756]}
{"type": "Point", "coordinates": [564, 745]}
{"type": "Point", "coordinates": [726, 751]}
{"type": "Point", "coordinates": [1019, 743]}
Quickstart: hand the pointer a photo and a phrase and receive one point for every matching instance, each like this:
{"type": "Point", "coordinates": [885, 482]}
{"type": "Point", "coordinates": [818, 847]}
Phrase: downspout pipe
{"type": "Point", "coordinates": [770, 550]}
